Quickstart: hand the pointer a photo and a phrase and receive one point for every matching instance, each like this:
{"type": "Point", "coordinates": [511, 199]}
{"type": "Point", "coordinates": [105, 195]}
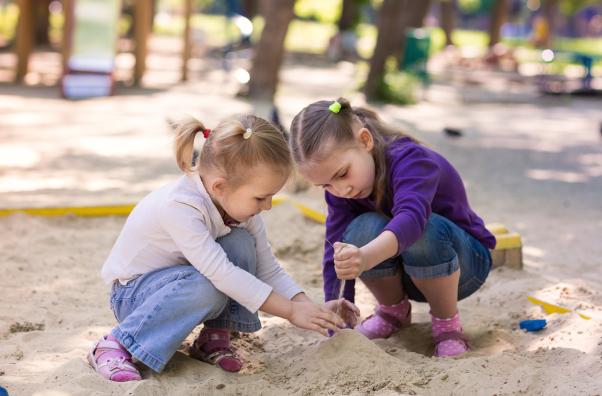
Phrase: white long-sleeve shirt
{"type": "Point", "coordinates": [178, 224]}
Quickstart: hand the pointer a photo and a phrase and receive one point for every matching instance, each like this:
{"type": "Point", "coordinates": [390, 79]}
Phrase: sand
{"type": "Point", "coordinates": [51, 281]}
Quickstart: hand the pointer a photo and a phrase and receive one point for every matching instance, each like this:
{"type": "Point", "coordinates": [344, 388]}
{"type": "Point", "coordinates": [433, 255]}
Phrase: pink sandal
{"type": "Point", "coordinates": [448, 336]}
{"type": "Point", "coordinates": [112, 361]}
{"type": "Point", "coordinates": [384, 324]}
{"type": "Point", "coordinates": [213, 346]}
{"type": "Point", "coordinates": [458, 346]}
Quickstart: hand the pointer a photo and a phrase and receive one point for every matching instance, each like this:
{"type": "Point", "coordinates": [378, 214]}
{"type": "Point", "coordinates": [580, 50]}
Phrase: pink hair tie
{"type": "Point", "coordinates": [206, 132]}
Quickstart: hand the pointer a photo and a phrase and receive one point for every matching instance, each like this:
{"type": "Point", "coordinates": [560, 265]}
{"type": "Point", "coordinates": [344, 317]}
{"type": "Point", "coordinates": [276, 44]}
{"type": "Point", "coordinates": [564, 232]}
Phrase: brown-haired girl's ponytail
{"type": "Point", "coordinates": [344, 103]}
{"type": "Point", "coordinates": [186, 131]}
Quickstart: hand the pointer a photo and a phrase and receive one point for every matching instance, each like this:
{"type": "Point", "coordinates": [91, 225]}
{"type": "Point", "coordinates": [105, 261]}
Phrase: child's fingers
{"type": "Point", "coordinates": [349, 318]}
{"type": "Point", "coordinates": [346, 264]}
{"type": "Point", "coordinates": [331, 317]}
{"type": "Point", "coordinates": [338, 246]}
{"type": "Point", "coordinates": [343, 250]}
{"type": "Point", "coordinates": [344, 254]}
{"type": "Point", "coordinates": [325, 324]}
{"type": "Point", "coordinates": [342, 265]}
{"type": "Point", "coordinates": [319, 329]}
{"type": "Point", "coordinates": [351, 306]}
{"type": "Point", "coordinates": [348, 273]}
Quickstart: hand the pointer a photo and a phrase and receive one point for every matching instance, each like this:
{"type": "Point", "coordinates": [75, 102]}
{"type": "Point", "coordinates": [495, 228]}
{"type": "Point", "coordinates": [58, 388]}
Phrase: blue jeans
{"type": "Point", "coordinates": [159, 309]}
{"type": "Point", "coordinates": [442, 249]}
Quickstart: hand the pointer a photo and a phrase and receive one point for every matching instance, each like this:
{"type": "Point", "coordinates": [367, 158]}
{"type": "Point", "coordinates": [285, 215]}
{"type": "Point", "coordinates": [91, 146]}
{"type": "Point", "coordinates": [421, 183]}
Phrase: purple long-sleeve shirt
{"type": "Point", "coordinates": [421, 182]}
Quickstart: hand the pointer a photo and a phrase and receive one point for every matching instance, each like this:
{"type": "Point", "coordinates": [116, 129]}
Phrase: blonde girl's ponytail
{"type": "Point", "coordinates": [186, 130]}
{"type": "Point", "coordinates": [233, 148]}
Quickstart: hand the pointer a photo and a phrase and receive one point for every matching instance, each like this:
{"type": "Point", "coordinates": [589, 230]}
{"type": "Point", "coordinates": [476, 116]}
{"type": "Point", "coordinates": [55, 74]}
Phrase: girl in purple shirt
{"type": "Point", "coordinates": [398, 218]}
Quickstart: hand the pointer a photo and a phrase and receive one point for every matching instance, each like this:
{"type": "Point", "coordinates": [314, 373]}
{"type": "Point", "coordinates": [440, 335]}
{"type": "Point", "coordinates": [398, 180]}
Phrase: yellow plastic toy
{"type": "Point", "coordinates": [551, 308]}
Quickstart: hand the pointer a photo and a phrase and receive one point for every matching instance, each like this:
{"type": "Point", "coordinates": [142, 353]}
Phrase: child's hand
{"type": "Point", "coordinates": [346, 309]}
{"type": "Point", "coordinates": [311, 316]}
{"type": "Point", "coordinates": [348, 261]}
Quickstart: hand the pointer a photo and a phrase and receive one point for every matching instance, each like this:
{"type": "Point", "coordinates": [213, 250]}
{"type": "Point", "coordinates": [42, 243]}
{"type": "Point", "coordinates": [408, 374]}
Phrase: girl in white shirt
{"type": "Point", "coordinates": [196, 251]}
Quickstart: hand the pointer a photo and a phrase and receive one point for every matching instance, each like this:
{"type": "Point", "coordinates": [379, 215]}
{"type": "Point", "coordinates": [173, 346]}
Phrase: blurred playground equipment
{"type": "Point", "coordinates": [416, 53]}
{"type": "Point", "coordinates": [559, 84]}
{"type": "Point", "coordinates": [93, 46]}
{"type": "Point", "coordinates": [82, 22]}
{"type": "Point", "coordinates": [486, 38]}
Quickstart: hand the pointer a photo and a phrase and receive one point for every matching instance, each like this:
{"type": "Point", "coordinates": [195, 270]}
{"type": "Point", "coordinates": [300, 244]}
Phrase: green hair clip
{"type": "Point", "coordinates": [335, 107]}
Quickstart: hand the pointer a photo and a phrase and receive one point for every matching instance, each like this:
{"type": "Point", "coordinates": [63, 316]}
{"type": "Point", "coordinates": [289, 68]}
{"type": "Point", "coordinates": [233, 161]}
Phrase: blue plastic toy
{"type": "Point", "coordinates": [533, 324]}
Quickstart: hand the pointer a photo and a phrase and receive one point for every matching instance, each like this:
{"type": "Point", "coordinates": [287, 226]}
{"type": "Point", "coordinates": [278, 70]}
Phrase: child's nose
{"type": "Point", "coordinates": [347, 191]}
{"type": "Point", "coordinates": [342, 190]}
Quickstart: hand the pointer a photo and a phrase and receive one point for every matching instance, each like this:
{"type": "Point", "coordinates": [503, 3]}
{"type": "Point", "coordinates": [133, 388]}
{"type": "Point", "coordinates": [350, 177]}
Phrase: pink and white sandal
{"type": "Point", "coordinates": [112, 361]}
{"type": "Point", "coordinates": [383, 324]}
{"type": "Point", "coordinates": [449, 344]}
{"type": "Point", "coordinates": [448, 336]}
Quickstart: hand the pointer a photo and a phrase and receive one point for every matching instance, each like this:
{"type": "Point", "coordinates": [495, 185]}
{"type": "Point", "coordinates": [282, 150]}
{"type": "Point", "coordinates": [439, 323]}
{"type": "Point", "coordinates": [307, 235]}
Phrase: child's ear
{"type": "Point", "coordinates": [366, 139]}
{"type": "Point", "coordinates": [218, 186]}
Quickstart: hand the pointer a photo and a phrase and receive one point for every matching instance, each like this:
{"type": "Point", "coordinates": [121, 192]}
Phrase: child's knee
{"type": "Point", "coordinates": [239, 246]}
{"type": "Point", "coordinates": [364, 228]}
{"type": "Point", "coordinates": [206, 297]}
{"type": "Point", "coordinates": [433, 254]}
{"type": "Point", "coordinates": [435, 238]}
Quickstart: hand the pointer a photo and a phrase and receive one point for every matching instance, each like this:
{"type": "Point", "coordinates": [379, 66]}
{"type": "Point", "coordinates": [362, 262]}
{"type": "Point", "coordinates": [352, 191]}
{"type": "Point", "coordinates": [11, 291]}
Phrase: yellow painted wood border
{"type": "Point", "coordinates": [91, 211]}
{"type": "Point", "coordinates": [310, 213]}
{"type": "Point", "coordinates": [84, 211]}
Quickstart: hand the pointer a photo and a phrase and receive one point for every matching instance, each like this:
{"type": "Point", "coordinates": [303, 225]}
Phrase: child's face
{"type": "Point", "coordinates": [345, 172]}
{"type": "Point", "coordinates": [254, 195]}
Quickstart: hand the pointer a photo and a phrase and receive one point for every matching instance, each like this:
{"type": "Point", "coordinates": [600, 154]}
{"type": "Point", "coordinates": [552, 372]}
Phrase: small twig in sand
{"type": "Point", "coordinates": [341, 284]}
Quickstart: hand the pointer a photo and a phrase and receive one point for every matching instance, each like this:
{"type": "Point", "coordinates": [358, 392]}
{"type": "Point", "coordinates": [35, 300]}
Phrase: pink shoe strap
{"type": "Point", "coordinates": [214, 337]}
{"type": "Point", "coordinates": [115, 349]}
{"type": "Point", "coordinates": [118, 364]}
{"type": "Point", "coordinates": [391, 319]}
{"type": "Point", "coordinates": [451, 335]}
{"type": "Point", "coordinates": [109, 345]}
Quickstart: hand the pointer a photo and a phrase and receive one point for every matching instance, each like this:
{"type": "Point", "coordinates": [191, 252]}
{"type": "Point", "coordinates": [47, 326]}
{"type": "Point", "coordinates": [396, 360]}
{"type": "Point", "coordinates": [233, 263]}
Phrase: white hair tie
{"type": "Point", "coordinates": [247, 133]}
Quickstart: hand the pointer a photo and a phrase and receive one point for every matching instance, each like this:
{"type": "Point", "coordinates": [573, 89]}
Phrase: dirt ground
{"type": "Point", "coordinates": [531, 163]}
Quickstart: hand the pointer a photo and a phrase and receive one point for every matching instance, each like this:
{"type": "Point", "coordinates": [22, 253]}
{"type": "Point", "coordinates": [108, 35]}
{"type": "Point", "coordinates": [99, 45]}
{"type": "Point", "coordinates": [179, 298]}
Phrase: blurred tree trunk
{"type": "Point", "coordinates": [499, 14]}
{"type": "Point", "coordinates": [389, 30]}
{"type": "Point", "coordinates": [269, 52]}
{"type": "Point", "coordinates": [41, 14]}
{"type": "Point", "coordinates": [550, 13]}
{"type": "Point", "coordinates": [417, 12]}
{"type": "Point", "coordinates": [249, 8]}
{"type": "Point", "coordinates": [348, 15]}
{"type": "Point", "coordinates": [128, 7]}
{"type": "Point", "coordinates": [447, 16]}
